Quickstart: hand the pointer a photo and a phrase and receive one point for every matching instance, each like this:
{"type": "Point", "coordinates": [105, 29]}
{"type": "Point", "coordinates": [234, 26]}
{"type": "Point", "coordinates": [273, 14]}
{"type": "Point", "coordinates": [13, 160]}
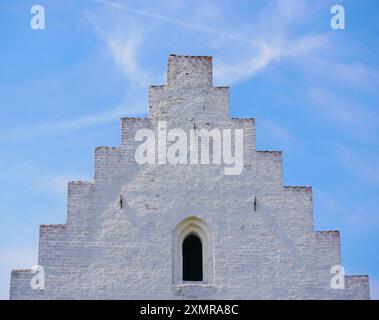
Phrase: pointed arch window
{"type": "Point", "coordinates": [193, 252]}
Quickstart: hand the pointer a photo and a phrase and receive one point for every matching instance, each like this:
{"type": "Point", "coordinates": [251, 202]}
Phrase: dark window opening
{"type": "Point", "coordinates": [192, 259]}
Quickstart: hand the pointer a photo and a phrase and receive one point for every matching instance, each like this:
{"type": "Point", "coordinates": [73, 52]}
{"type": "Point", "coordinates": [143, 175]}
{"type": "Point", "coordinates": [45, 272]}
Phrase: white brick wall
{"type": "Point", "coordinates": [104, 251]}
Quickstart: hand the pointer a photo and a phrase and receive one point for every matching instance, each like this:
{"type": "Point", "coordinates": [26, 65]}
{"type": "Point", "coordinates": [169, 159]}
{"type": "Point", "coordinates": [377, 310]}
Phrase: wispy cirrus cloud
{"type": "Point", "coordinates": [229, 73]}
{"type": "Point", "coordinates": [123, 44]}
{"type": "Point", "coordinates": [51, 127]}
{"type": "Point", "coordinates": [271, 38]}
{"type": "Point", "coordinates": [244, 69]}
{"type": "Point", "coordinates": [178, 22]}
{"type": "Point", "coordinates": [258, 49]}
{"type": "Point", "coordinates": [124, 51]}
{"type": "Point", "coordinates": [124, 38]}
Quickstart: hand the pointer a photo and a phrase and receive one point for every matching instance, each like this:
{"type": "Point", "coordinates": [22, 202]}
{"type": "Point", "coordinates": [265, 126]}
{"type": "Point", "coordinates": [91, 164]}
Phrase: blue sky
{"type": "Point", "coordinates": [313, 91]}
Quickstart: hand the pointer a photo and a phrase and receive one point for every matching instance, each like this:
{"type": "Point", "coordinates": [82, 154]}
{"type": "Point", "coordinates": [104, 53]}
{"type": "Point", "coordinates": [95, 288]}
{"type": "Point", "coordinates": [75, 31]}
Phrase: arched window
{"type": "Point", "coordinates": [192, 251]}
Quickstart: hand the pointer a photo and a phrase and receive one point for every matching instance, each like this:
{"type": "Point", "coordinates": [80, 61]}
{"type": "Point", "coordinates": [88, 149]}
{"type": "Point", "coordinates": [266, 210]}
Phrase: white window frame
{"type": "Point", "coordinates": [196, 226]}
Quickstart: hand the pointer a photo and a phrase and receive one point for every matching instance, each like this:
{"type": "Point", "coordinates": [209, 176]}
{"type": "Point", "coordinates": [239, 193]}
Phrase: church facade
{"type": "Point", "coordinates": [156, 229]}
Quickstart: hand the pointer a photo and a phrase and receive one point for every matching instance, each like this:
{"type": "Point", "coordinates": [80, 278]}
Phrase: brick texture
{"type": "Point", "coordinates": [266, 250]}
